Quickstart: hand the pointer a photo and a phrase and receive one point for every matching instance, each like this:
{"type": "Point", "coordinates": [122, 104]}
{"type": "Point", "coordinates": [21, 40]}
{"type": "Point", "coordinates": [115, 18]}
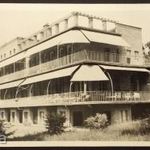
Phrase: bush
{"type": "Point", "coordinates": [4, 128]}
{"type": "Point", "coordinates": [55, 123]}
{"type": "Point", "coordinates": [99, 121]}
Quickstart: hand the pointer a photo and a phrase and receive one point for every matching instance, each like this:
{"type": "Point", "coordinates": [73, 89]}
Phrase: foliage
{"type": "Point", "coordinates": [99, 121]}
{"type": "Point", "coordinates": [4, 128]}
{"type": "Point", "coordinates": [55, 123]}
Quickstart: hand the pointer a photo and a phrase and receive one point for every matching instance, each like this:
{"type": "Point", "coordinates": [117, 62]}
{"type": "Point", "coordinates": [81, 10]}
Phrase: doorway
{"type": "Point", "coordinates": [77, 118]}
{"type": "Point", "coordinates": [20, 116]}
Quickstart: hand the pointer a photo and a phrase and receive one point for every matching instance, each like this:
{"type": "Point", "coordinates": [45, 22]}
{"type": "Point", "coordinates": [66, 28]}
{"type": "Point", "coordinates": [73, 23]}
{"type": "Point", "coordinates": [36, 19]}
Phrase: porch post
{"type": "Point", "coordinates": [111, 83]}
{"type": "Point", "coordinates": [85, 87]}
{"type": "Point", "coordinates": [48, 86]}
{"type": "Point", "coordinates": [30, 90]}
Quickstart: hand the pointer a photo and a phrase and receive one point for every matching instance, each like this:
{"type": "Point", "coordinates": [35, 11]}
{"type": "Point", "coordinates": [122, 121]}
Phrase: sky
{"type": "Point", "coordinates": [26, 19]}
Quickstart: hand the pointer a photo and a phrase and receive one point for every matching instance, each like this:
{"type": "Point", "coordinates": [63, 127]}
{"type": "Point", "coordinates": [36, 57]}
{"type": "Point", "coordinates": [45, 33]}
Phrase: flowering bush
{"type": "Point", "coordinates": [99, 121]}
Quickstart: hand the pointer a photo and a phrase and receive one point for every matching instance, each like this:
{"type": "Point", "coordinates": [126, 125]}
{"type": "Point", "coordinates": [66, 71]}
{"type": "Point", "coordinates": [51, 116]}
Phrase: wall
{"type": "Point", "coordinates": [133, 36]}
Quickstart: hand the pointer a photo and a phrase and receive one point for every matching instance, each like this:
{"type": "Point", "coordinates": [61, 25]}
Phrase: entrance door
{"type": "Point", "coordinates": [8, 115]}
{"type": "Point", "coordinates": [77, 118]}
{"type": "Point", "coordinates": [20, 116]}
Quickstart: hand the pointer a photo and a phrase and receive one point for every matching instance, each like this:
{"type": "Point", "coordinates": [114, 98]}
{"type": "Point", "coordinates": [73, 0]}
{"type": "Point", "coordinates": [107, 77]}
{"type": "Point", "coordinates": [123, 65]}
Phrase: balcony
{"type": "Point", "coordinates": [78, 98]}
{"type": "Point", "coordinates": [86, 56]}
{"type": "Point", "coordinates": [82, 56]}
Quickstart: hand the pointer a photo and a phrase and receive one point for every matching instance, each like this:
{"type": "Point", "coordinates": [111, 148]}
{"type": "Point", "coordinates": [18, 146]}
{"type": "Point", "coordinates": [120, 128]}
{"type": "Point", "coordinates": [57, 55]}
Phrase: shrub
{"type": "Point", "coordinates": [4, 128]}
{"type": "Point", "coordinates": [99, 121]}
{"type": "Point", "coordinates": [55, 123]}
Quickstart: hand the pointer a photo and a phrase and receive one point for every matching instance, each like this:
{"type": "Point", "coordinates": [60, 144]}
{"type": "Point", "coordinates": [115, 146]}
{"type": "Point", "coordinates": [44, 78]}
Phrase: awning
{"type": "Point", "coordinates": [50, 75]}
{"type": "Point", "coordinates": [73, 36]}
{"type": "Point", "coordinates": [124, 68]}
{"type": "Point", "coordinates": [105, 38]}
{"type": "Point", "coordinates": [89, 73]}
{"type": "Point", "coordinates": [12, 59]}
{"type": "Point", "coordinates": [11, 84]}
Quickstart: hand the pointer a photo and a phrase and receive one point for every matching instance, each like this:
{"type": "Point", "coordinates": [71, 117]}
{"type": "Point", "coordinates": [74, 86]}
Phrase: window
{"type": "Point", "coordinates": [5, 55]}
{"type": "Point", "coordinates": [20, 65]}
{"type": "Point", "coordinates": [14, 50]}
{"type": "Point", "coordinates": [25, 116]}
{"type": "Point", "coordinates": [41, 115]}
{"type": "Point", "coordinates": [13, 116]}
{"type": "Point", "coordinates": [10, 52]}
{"type": "Point", "coordinates": [2, 115]}
{"type": "Point", "coordinates": [128, 60]}
{"type": "Point", "coordinates": [136, 54]}
{"type": "Point", "coordinates": [9, 69]}
{"type": "Point", "coordinates": [128, 52]}
{"type": "Point", "coordinates": [107, 54]}
{"type": "Point", "coordinates": [34, 60]}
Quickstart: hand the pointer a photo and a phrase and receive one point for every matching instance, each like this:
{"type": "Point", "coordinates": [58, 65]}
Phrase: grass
{"type": "Point", "coordinates": [131, 131]}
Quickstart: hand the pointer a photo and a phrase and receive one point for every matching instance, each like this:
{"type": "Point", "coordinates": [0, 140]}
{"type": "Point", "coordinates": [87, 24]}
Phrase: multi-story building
{"type": "Point", "coordinates": [78, 66]}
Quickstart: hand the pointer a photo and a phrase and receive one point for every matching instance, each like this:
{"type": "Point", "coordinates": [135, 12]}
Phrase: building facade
{"type": "Point", "coordinates": [80, 65]}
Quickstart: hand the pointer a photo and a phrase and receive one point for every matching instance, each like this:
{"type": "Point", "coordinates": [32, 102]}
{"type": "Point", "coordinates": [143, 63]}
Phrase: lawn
{"type": "Point", "coordinates": [131, 131]}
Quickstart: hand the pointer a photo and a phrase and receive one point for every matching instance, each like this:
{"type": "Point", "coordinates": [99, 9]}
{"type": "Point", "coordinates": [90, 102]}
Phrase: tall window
{"type": "Point", "coordinates": [20, 65]}
{"type": "Point", "coordinates": [34, 60]}
{"type": "Point", "coordinates": [107, 54]}
{"type": "Point", "coordinates": [136, 54]}
{"type": "Point", "coordinates": [13, 116]}
{"type": "Point", "coordinates": [128, 56]}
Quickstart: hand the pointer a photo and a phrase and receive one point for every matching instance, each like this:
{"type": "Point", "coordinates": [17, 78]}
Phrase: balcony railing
{"type": "Point", "coordinates": [73, 98]}
{"type": "Point", "coordinates": [75, 58]}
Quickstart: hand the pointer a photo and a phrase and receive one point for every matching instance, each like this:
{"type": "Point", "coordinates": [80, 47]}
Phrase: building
{"type": "Point", "coordinates": [78, 66]}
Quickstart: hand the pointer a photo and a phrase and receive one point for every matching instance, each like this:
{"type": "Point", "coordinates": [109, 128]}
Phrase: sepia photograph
{"type": "Point", "coordinates": [74, 74]}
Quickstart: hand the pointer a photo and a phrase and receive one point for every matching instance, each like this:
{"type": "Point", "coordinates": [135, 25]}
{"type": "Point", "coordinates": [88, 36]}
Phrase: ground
{"type": "Point", "coordinates": [121, 132]}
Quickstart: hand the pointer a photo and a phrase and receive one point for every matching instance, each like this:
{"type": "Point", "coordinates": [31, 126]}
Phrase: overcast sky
{"type": "Point", "coordinates": [25, 19]}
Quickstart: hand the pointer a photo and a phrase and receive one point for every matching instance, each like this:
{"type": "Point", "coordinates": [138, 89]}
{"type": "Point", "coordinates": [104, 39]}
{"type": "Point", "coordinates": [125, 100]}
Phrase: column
{"type": "Point", "coordinates": [85, 87]}
{"type": "Point", "coordinates": [90, 22]}
{"type": "Point", "coordinates": [104, 24]}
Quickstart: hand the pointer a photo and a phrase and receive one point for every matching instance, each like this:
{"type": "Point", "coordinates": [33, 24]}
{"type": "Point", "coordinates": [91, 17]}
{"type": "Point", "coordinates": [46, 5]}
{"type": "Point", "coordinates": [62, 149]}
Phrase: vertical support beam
{"type": "Point", "coordinates": [47, 90]}
{"type": "Point", "coordinates": [85, 87]}
{"type": "Point", "coordinates": [65, 24]}
{"type": "Point", "coordinates": [90, 22]}
{"type": "Point", "coordinates": [30, 90]}
{"type": "Point", "coordinates": [104, 24]}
